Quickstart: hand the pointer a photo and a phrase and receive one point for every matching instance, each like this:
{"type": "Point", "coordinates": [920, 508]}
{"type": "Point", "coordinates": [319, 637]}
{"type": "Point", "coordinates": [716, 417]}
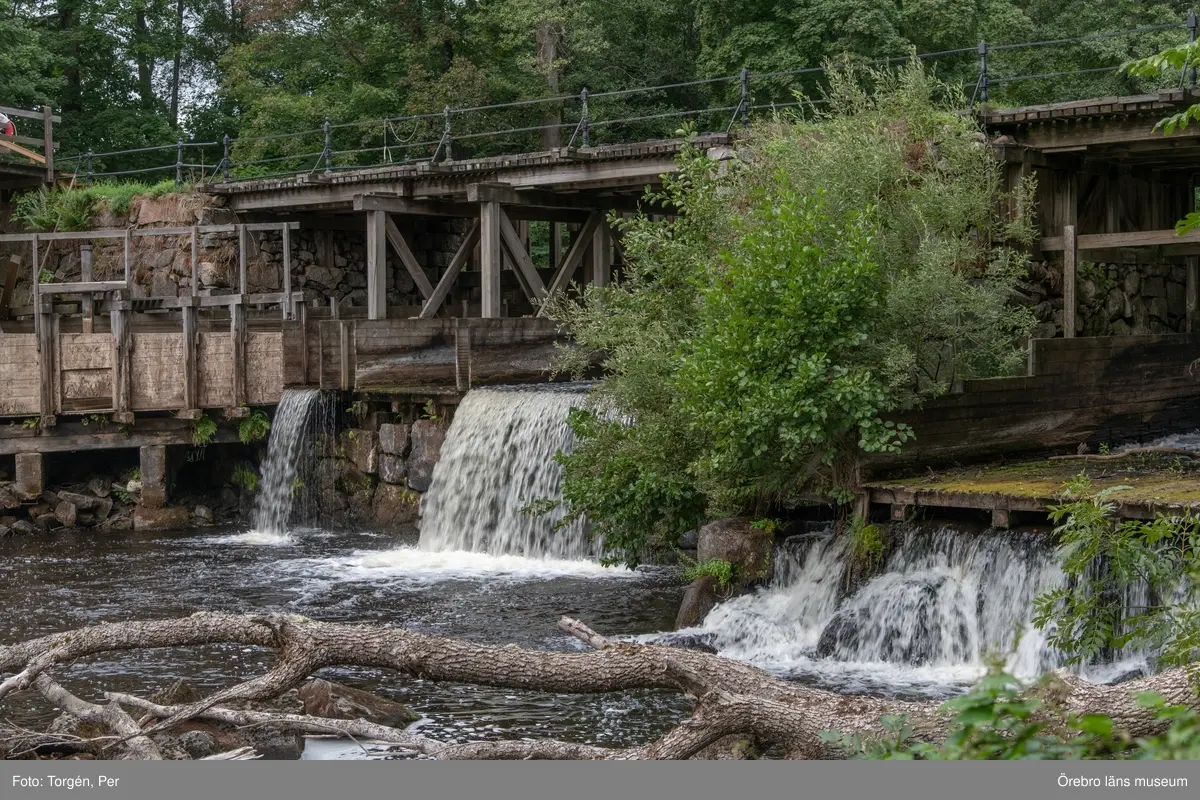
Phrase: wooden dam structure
{"type": "Point", "coordinates": [1110, 188]}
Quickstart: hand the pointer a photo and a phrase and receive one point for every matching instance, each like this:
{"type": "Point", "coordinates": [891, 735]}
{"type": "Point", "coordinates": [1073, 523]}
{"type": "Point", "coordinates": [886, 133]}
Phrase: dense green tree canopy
{"type": "Point", "coordinates": [147, 71]}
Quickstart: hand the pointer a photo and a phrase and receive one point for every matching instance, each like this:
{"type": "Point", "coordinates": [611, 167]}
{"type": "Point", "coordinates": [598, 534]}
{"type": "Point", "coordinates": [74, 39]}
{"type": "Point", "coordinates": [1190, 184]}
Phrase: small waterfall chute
{"type": "Point", "coordinates": [302, 415]}
{"type": "Point", "coordinates": [497, 459]}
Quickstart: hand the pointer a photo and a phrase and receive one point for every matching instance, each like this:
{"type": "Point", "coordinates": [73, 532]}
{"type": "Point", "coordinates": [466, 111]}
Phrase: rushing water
{"type": "Point", "coordinates": [497, 459]}
{"type": "Point", "coordinates": [484, 570]}
{"type": "Point", "coordinates": [302, 416]}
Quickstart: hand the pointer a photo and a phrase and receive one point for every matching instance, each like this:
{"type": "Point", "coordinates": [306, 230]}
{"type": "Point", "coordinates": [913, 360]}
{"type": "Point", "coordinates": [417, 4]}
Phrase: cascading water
{"type": "Point", "coordinates": [944, 602]}
{"type": "Point", "coordinates": [302, 415]}
{"type": "Point", "coordinates": [498, 458]}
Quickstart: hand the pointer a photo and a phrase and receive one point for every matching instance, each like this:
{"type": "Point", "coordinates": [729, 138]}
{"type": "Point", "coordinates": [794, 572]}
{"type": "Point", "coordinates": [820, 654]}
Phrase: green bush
{"type": "Point", "coordinates": [254, 428]}
{"type": "Point", "coordinates": [843, 268]}
{"type": "Point", "coordinates": [244, 476]}
{"type": "Point", "coordinates": [203, 430]}
{"type": "Point", "coordinates": [74, 208]}
{"type": "Point", "coordinates": [717, 568]}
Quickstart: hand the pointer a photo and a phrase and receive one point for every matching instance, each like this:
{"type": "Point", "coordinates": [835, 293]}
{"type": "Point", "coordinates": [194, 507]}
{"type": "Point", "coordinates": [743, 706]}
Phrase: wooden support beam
{"type": "Point", "coordinates": [48, 366]}
{"type": "Point", "coordinates": [405, 205]}
{"type": "Point", "coordinates": [237, 332]}
{"type": "Point", "coordinates": [122, 362]}
{"type": "Point", "coordinates": [535, 290]}
{"type": "Point", "coordinates": [407, 257]}
{"type": "Point", "coordinates": [127, 255]}
{"type": "Point", "coordinates": [574, 256]}
{"type": "Point", "coordinates": [48, 142]}
{"type": "Point", "coordinates": [461, 257]}
{"type": "Point", "coordinates": [376, 265]}
{"type": "Point", "coordinates": [1192, 293]}
{"type": "Point", "coordinates": [243, 259]}
{"type": "Point", "coordinates": [540, 198]}
{"type": "Point", "coordinates": [602, 255]}
{"type": "Point", "coordinates": [191, 388]}
{"type": "Point", "coordinates": [1070, 255]}
{"type": "Point", "coordinates": [194, 241]}
{"type": "Point", "coordinates": [289, 305]}
{"type": "Point", "coordinates": [345, 332]}
{"type": "Point", "coordinates": [489, 257]}
{"type": "Point", "coordinates": [85, 276]}
{"type": "Point", "coordinates": [556, 251]}
{"type": "Point", "coordinates": [86, 287]}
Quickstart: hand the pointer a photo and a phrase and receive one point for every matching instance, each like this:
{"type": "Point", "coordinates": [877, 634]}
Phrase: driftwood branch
{"type": "Point", "coordinates": [732, 698]}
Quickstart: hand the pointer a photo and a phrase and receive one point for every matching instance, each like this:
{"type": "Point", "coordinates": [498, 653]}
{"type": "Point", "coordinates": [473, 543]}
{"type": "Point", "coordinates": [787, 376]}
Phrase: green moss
{"type": "Point", "coordinates": [868, 546]}
{"type": "Point", "coordinates": [717, 568]}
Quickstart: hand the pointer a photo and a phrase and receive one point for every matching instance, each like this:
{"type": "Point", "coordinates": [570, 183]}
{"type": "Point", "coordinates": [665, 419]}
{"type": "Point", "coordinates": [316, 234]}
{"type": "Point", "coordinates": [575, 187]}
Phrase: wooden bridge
{"type": "Point", "coordinates": [1107, 183]}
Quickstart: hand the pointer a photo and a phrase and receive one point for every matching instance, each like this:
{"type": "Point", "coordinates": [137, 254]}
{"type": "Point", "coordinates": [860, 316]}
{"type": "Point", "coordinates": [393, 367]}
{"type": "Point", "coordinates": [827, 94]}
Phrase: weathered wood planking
{"type": "Point", "coordinates": [157, 372]}
{"type": "Point", "coordinates": [1086, 390]}
{"type": "Point", "coordinates": [86, 364]}
{"type": "Point", "coordinates": [416, 355]}
{"type": "Point", "coordinates": [215, 369]}
{"type": "Point", "coordinates": [19, 375]}
{"type": "Point", "coordinates": [264, 368]}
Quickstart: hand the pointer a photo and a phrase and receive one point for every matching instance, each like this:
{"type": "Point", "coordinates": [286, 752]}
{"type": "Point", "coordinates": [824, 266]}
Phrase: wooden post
{"type": "Point", "coordinates": [376, 265]}
{"type": "Point", "coordinates": [1192, 292]}
{"type": "Point", "coordinates": [195, 292]}
{"type": "Point", "coordinates": [191, 393]}
{"type": "Point", "coordinates": [556, 251]}
{"type": "Point", "coordinates": [48, 364]}
{"type": "Point", "coordinates": [48, 137]}
{"type": "Point", "coordinates": [462, 355]}
{"type": "Point", "coordinates": [127, 255]}
{"type": "Point", "coordinates": [601, 255]}
{"type": "Point", "coordinates": [237, 331]}
{"type": "Point", "coordinates": [344, 333]}
{"type": "Point", "coordinates": [304, 341]}
{"type": "Point", "coordinates": [1070, 252]}
{"type": "Point", "coordinates": [85, 275]}
{"type": "Point", "coordinates": [36, 287]}
{"type": "Point", "coordinates": [122, 360]}
{"type": "Point", "coordinates": [489, 256]}
{"type": "Point", "coordinates": [243, 255]}
{"type": "Point", "coordinates": [289, 310]}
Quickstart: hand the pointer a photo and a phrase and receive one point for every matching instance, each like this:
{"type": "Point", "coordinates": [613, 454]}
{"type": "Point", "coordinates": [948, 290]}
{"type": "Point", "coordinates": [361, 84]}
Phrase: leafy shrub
{"type": "Point", "coordinates": [74, 208]}
{"type": "Point", "coordinates": [244, 476]}
{"type": "Point", "coordinates": [842, 268]}
{"type": "Point", "coordinates": [717, 568]}
{"type": "Point", "coordinates": [203, 430]}
{"type": "Point", "coordinates": [254, 428]}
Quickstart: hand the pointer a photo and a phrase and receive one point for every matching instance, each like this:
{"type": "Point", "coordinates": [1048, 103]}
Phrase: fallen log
{"type": "Point", "coordinates": [731, 697]}
{"type": "Point", "coordinates": [1135, 451]}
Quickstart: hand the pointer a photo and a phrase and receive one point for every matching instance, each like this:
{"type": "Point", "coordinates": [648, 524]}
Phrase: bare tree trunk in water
{"type": "Point", "coordinates": [731, 698]}
{"type": "Point", "coordinates": [549, 35]}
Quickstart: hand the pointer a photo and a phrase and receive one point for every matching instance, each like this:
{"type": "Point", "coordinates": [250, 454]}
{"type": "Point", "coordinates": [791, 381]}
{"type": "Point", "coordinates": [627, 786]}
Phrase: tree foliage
{"type": "Point", "coordinates": [844, 267]}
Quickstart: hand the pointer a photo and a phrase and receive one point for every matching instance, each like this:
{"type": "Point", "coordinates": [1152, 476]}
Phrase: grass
{"type": "Point", "coordinates": [75, 208]}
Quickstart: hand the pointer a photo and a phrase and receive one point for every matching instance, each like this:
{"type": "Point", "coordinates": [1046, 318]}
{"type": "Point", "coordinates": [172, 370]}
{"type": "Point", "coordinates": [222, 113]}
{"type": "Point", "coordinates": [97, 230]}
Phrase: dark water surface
{"type": "Point", "coordinates": [57, 582]}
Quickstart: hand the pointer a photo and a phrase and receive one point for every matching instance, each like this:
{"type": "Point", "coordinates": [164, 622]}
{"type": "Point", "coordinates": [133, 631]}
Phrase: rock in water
{"type": "Point", "coordinates": [734, 540]}
{"type": "Point", "coordinates": [326, 699]}
{"type": "Point", "coordinates": [698, 600]}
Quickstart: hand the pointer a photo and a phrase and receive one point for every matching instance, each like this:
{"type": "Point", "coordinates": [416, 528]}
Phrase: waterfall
{"type": "Point", "coordinates": [945, 600]}
{"type": "Point", "coordinates": [498, 458]}
{"type": "Point", "coordinates": [302, 415]}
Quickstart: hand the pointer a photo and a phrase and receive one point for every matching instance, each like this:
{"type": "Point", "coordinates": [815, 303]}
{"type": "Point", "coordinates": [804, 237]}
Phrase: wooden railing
{"type": "Point", "coordinates": [14, 144]}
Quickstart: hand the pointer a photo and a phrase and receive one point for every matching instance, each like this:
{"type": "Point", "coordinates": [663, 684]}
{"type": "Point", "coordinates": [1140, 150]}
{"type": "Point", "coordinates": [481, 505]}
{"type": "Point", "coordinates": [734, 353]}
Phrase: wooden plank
{"type": "Point", "coordinates": [213, 356]}
{"type": "Point", "coordinates": [48, 367]}
{"type": "Point", "coordinates": [489, 256]}
{"type": "Point", "coordinates": [345, 370]}
{"type": "Point", "coordinates": [48, 142]}
{"type": "Point", "coordinates": [461, 256]}
{"type": "Point", "coordinates": [85, 287]}
{"type": "Point", "coordinates": [156, 363]}
{"type": "Point", "coordinates": [264, 368]}
{"type": "Point", "coordinates": [10, 144]}
{"type": "Point", "coordinates": [289, 305]}
{"type": "Point", "coordinates": [237, 339]}
{"type": "Point", "coordinates": [535, 290]}
{"type": "Point", "coordinates": [1192, 293]}
{"type": "Point", "coordinates": [1070, 254]}
{"type": "Point", "coordinates": [377, 265]}
{"type": "Point", "coordinates": [396, 238]}
{"type": "Point", "coordinates": [243, 260]}
{"type": "Point", "coordinates": [191, 365]}
{"type": "Point", "coordinates": [506, 195]}
{"type": "Point", "coordinates": [23, 113]}
{"type": "Point", "coordinates": [9, 285]}
{"type": "Point", "coordinates": [85, 276]}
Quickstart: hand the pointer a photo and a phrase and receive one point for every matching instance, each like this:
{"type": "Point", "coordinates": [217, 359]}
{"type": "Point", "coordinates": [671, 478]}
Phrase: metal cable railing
{"type": "Point", "coordinates": [983, 73]}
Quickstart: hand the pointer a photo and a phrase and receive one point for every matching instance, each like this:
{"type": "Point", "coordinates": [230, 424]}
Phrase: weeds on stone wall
{"type": "Point", "coordinates": [75, 208]}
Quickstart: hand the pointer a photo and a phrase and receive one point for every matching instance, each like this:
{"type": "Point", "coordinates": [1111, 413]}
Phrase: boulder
{"type": "Point", "coordinates": [698, 600]}
{"type": "Point", "coordinates": [47, 521]}
{"type": "Point", "coordinates": [1114, 304]}
{"type": "Point", "coordinates": [322, 698]}
{"type": "Point", "coordinates": [23, 526]}
{"type": "Point", "coordinates": [362, 449]}
{"type": "Point", "coordinates": [273, 744]}
{"type": "Point", "coordinates": [102, 509]}
{"type": "Point", "coordinates": [427, 438]}
{"type": "Point", "coordinates": [203, 515]}
{"type": "Point", "coordinates": [65, 512]}
{"type": "Point", "coordinates": [393, 439]}
{"type": "Point", "coordinates": [5, 531]}
{"type": "Point", "coordinates": [8, 500]}
{"type": "Point", "coordinates": [212, 275]}
{"type": "Point", "coordinates": [1132, 283]}
{"type": "Point", "coordinates": [392, 469]}
{"type": "Point", "coordinates": [158, 519]}
{"type": "Point", "coordinates": [394, 505]}
{"type": "Point", "coordinates": [81, 501]}
{"type": "Point", "coordinates": [1158, 309]}
{"type": "Point", "coordinates": [747, 548]}
{"type": "Point", "coordinates": [361, 504]}
{"type": "Point", "coordinates": [198, 744]}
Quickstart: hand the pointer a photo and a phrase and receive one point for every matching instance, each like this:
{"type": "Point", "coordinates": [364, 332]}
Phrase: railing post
{"type": "Point", "coordinates": [48, 140]}
{"type": "Point", "coordinates": [447, 137]}
{"type": "Point", "coordinates": [983, 71]}
{"type": "Point", "coordinates": [225, 159]}
{"type": "Point", "coordinates": [584, 123]}
{"type": "Point", "coordinates": [328, 151]}
{"type": "Point", "coordinates": [744, 100]}
{"type": "Point", "coordinates": [179, 162]}
{"type": "Point", "coordinates": [89, 166]}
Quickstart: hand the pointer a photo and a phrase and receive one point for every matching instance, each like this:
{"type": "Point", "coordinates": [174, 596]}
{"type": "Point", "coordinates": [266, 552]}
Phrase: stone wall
{"type": "Point", "coordinates": [1112, 299]}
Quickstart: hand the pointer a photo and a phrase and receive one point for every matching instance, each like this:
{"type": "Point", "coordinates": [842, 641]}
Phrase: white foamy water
{"type": "Point", "coordinates": [254, 538]}
{"type": "Point", "coordinates": [498, 458]}
{"type": "Point", "coordinates": [415, 565]}
{"type": "Point", "coordinates": [300, 413]}
{"type": "Point", "coordinates": [941, 605]}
